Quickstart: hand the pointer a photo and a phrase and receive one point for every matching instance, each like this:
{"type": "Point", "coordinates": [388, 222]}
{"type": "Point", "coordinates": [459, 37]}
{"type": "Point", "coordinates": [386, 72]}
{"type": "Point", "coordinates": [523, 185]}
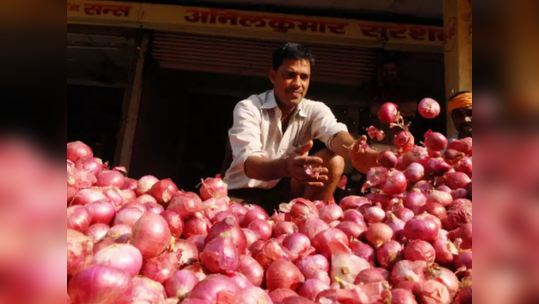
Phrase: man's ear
{"type": "Point", "coordinates": [272, 74]}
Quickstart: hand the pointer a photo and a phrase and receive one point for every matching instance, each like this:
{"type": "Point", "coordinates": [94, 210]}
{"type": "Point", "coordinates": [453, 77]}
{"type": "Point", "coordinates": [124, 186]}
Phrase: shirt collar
{"type": "Point", "coordinates": [271, 103]}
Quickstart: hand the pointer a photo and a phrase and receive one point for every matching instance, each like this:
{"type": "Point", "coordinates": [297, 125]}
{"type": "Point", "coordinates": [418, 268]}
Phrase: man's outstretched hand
{"type": "Point", "coordinates": [306, 169]}
{"type": "Point", "coordinates": [363, 156]}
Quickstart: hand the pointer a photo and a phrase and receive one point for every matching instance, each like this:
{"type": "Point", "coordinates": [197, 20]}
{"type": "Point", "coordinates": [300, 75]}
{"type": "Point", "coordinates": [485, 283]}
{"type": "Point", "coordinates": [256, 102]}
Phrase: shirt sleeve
{"type": "Point", "coordinates": [245, 134]}
{"type": "Point", "coordinates": [324, 125]}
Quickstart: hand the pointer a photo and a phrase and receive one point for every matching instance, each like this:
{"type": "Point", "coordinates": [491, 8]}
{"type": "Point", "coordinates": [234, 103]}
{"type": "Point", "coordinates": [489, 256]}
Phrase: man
{"type": "Point", "coordinates": [273, 133]}
{"type": "Point", "coordinates": [460, 108]}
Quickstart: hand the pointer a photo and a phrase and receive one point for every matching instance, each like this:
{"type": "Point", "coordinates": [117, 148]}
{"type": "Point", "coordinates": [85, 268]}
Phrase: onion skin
{"type": "Point", "coordinates": [444, 276]}
{"type": "Point", "coordinates": [186, 204]}
{"type": "Point", "coordinates": [331, 213]}
{"type": "Point", "coordinates": [429, 109]}
{"type": "Point", "coordinates": [311, 265]}
{"type": "Point", "coordinates": [147, 291]}
{"type": "Point", "coordinates": [180, 284]}
{"type": "Point", "coordinates": [151, 235]}
{"type": "Point", "coordinates": [388, 159]}
{"type": "Point", "coordinates": [163, 191]}
{"type": "Point", "coordinates": [101, 212]}
{"type": "Point", "coordinates": [283, 274]}
{"type": "Point", "coordinates": [459, 213]}
{"type": "Point", "coordinates": [408, 271]}
{"type": "Point", "coordinates": [79, 251]}
{"type": "Point", "coordinates": [352, 230]}
{"type": "Point", "coordinates": [220, 255]}
{"type": "Point", "coordinates": [364, 251]}
{"type": "Point", "coordinates": [284, 228]}
{"type": "Point", "coordinates": [101, 285]}
{"type": "Point", "coordinates": [145, 183]}
{"type": "Point", "coordinates": [324, 240]}
{"type": "Point", "coordinates": [432, 291]}
{"type": "Point", "coordinates": [311, 288]}
{"type": "Point", "coordinates": [394, 183]}
{"type": "Point", "coordinates": [435, 209]}
{"type": "Point", "coordinates": [388, 113]}
{"type": "Point", "coordinates": [230, 225]}
{"type": "Point", "coordinates": [253, 295]}
{"type": "Point", "coordinates": [97, 232]}
{"type": "Point", "coordinates": [213, 188]}
{"type": "Point", "coordinates": [458, 180]}
{"type": "Point", "coordinates": [435, 141]}
{"type": "Point", "coordinates": [353, 202]}
{"type": "Point", "coordinates": [312, 227]}
{"type": "Point", "coordinates": [464, 260]}
{"type": "Point", "coordinates": [255, 213]}
{"type": "Point", "coordinates": [418, 250]}
{"type": "Point", "coordinates": [389, 253]}
{"type": "Point", "coordinates": [252, 270]}
{"type": "Point", "coordinates": [78, 151]}
{"type": "Point", "coordinates": [174, 221]}
{"type": "Point", "coordinates": [445, 251]}
{"type": "Point", "coordinates": [198, 225]}
{"type": "Point", "coordinates": [78, 218]}
{"type": "Point", "coordinates": [160, 268]}
{"type": "Point", "coordinates": [186, 252]}
{"type": "Point", "coordinates": [87, 196]}
{"type": "Point", "coordinates": [128, 216]}
{"type": "Point", "coordinates": [122, 256]}
{"type": "Point", "coordinates": [414, 172]}
{"type": "Point", "coordinates": [368, 276]}
{"type": "Point", "coordinates": [422, 228]}
{"type": "Point", "coordinates": [298, 244]}
{"type": "Point", "coordinates": [262, 229]}
{"type": "Point", "coordinates": [402, 296]}
{"type": "Point", "coordinates": [110, 178]}
{"type": "Point", "coordinates": [280, 295]}
{"type": "Point", "coordinates": [216, 288]}
{"type": "Point", "coordinates": [378, 234]}
{"type": "Point", "coordinates": [414, 201]}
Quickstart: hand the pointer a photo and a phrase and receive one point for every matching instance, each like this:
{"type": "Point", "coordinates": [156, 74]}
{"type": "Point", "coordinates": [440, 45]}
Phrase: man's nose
{"type": "Point", "coordinates": [296, 83]}
{"type": "Point", "coordinates": [468, 119]}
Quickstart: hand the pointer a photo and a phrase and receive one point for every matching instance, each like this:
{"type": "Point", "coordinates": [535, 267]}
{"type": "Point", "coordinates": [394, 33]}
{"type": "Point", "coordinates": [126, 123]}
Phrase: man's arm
{"type": "Point", "coordinates": [363, 160]}
{"type": "Point", "coordinates": [263, 169]}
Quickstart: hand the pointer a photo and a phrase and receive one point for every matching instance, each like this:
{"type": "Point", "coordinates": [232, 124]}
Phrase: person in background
{"type": "Point", "coordinates": [273, 133]}
{"type": "Point", "coordinates": [460, 108]}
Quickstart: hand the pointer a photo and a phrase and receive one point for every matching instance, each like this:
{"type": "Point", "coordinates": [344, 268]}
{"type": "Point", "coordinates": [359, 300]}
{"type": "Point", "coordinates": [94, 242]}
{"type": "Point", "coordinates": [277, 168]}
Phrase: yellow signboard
{"type": "Point", "coordinates": [257, 24]}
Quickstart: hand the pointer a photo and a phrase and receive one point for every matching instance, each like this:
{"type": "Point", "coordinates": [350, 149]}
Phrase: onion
{"type": "Point", "coordinates": [216, 289]}
{"type": "Point", "coordinates": [435, 209]}
{"type": "Point", "coordinates": [180, 284]}
{"type": "Point", "coordinates": [459, 213]}
{"type": "Point", "coordinates": [402, 296]}
{"type": "Point", "coordinates": [388, 113]}
{"type": "Point", "coordinates": [464, 233]}
{"type": "Point", "coordinates": [396, 224]}
{"type": "Point", "coordinates": [189, 301]}
{"type": "Point", "coordinates": [465, 166]}
{"type": "Point", "coordinates": [163, 191]}
{"type": "Point", "coordinates": [270, 252]}
{"type": "Point", "coordinates": [280, 295]}
{"type": "Point", "coordinates": [331, 213]}
{"type": "Point", "coordinates": [324, 241]}
{"type": "Point", "coordinates": [214, 206]}
{"type": "Point", "coordinates": [352, 230]}
{"type": "Point", "coordinates": [186, 204]}
{"type": "Point", "coordinates": [440, 197]}
{"type": "Point", "coordinates": [120, 232]}
{"type": "Point", "coordinates": [200, 272]}
{"type": "Point", "coordinates": [284, 228]}
{"type": "Point", "coordinates": [363, 251]}
{"type": "Point", "coordinates": [297, 300]}
{"type": "Point", "coordinates": [374, 215]}
{"type": "Point", "coordinates": [389, 253]}
{"type": "Point", "coordinates": [444, 188]}
{"type": "Point", "coordinates": [464, 145]}
{"type": "Point", "coordinates": [186, 252]}
{"type": "Point", "coordinates": [128, 216]}
{"type": "Point", "coordinates": [161, 267]}
{"type": "Point", "coordinates": [419, 250]}
{"type": "Point", "coordinates": [444, 250]}
{"type": "Point", "coordinates": [388, 159]}
{"type": "Point", "coordinates": [130, 184]}
{"type": "Point", "coordinates": [135, 204]}
{"type": "Point", "coordinates": [198, 225]}
{"type": "Point", "coordinates": [240, 280]}
{"type": "Point", "coordinates": [353, 202]}
{"type": "Point", "coordinates": [114, 196]}
{"type": "Point", "coordinates": [262, 229]}
{"type": "Point", "coordinates": [355, 216]}
{"type": "Point", "coordinates": [404, 214]}
{"type": "Point", "coordinates": [414, 172]}
{"type": "Point", "coordinates": [464, 296]}
{"type": "Point", "coordinates": [253, 295]}
{"type": "Point", "coordinates": [230, 225]}
{"type": "Point", "coordinates": [101, 284]}
{"type": "Point", "coordinates": [416, 155]}
{"type": "Point", "coordinates": [435, 141]}
{"type": "Point", "coordinates": [221, 255]}
{"type": "Point", "coordinates": [154, 208]}
{"type": "Point", "coordinates": [301, 210]}
{"type": "Point", "coordinates": [375, 177]}
{"type": "Point", "coordinates": [87, 196]}
{"type": "Point", "coordinates": [404, 141]}
{"type": "Point", "coordinates": [371, 275]}
{"type": "Point", "coordinates": [254, 213]}
{"type": "Point", "coordinates": [151, 235]}
{"type": "Point", "coordinates": [78, 150]}
{"type": "Point", "coordinates": [422, 228]}
{"type": "Point", "coordinates": [221, 216]}
{"type": "Point", "coordinates": [213, 187]}
{"type": "Point", "coordinates": [378, 234]}
{"type": "Point", "coordinates": [146, 290]}
{"type": "Point", "coordinates": [128, 195]}
{"type": "Point", "coordinates": [251, 269]}
{"type": "Point", "coordinates": [414, 201]}
{"type": "Point", "coordinates": [174, 221]}
{"type": "Point", "coordinates": [250, 237]}
{"type": "Point", "coordinates": [145, 183]}
{"type": "Point", "coordinates": [444, 276]}
{"type": "Point", "coordinates": [437, 166]}
{"type": "Point", "coordinates": [311, 288]}
{"type": "Point", "coordinates": [423, 186]}
{"type": "Point", "coordinates": [408, 271]}
{"type": "Point", "coordinates": [458, 180]}
{"type": "Point", "coordinates": [121, 256]}
{"type": "Point", "coordinates": [78, 218]}
{"type": "Point", "coordinates": [97, 232]}
{"type": "Point", "coordinates": [432, 291]}
{"type": "Point", "coordinates": [298, 244]}
{"type": "Point", "coordinates": [283, 274]}
{"type": "Point", "coordinates": [101, 212]}
{"type": "Point", "coordinates": [429, 108]}
{"type": "Point", "coordinates": [239, 211]}
{"type": "Point", "coordinates": [257, 246]}
{"type": "Point", "coordinates": [199, 241]}
{"type": "Point", "coordinates": [79, 251]}
{"type": "Point", "coordinates": [110, 178]}
{"type": "Point", "coordinates": [464, 260]}
{"type": "Point", "coordinates": [312, 227]}
{"type": "Point", "coordinates": [459, 193]}
{"type": "Point", "coordinates": [92, 164]}
{"type": "Point", "coordinates": [313, 264]}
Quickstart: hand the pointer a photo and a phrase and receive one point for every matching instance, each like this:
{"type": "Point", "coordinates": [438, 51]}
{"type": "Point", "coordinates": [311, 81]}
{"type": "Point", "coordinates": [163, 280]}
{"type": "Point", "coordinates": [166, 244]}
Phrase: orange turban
{"type": "Point", "coordinates": [460, 102]}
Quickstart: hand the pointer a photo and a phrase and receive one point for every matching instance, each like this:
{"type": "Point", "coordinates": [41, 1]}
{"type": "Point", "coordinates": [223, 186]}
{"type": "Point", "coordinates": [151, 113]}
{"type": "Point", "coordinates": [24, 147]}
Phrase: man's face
{"type": "Point", "coordinates": [291, 81]}
{"type": "Point", "coordinates": [462, 118]}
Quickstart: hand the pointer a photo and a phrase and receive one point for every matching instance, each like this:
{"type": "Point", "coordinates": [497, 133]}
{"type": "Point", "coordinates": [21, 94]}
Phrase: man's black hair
{"type": "Point", "coordinates": [458, 94]}
{"type": "Point", "coordinates": [292, 51]}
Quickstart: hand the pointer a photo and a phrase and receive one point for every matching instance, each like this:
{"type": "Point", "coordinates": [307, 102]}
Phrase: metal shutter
{"type": "Point", "coordinates": [251, 57]}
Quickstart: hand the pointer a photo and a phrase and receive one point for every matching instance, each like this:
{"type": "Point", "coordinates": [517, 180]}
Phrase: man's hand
{"type": "Point", "coordinates": [306, 169]}
{"type": "Point", "coordinates": [363, 157]}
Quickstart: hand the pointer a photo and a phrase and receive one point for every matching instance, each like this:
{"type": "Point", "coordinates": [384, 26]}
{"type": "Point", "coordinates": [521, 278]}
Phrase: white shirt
{"type": "Point", "coordinates": [257, 131]}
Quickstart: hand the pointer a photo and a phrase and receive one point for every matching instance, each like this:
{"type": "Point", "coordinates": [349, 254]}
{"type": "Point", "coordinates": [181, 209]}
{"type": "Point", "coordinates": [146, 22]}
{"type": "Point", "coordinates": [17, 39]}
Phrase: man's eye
{"type": "Point", "coordinates": [305, 77]}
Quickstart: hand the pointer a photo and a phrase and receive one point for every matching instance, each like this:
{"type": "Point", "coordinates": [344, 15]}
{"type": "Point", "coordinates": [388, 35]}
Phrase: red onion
{"type": "Point", "coordinates": [414, 172]}
{"type": "Point", "coordinates": [174, 221]}
{"type": "Point", "coordinates": [301, 210]}
{"type": "Point", "coordinates": [414, 201]}
{"type": "Point", "coordinates": [221, 255]}
{"type": "Point", "coordinates": [146, 183]}
{"type": "Point", "coordinates": [78, 150]}
{"type": "Point", "coordinates": [87, 196]}
{"type": "Point", "coordinates": [240, 280]}
{"type": "Point", "coordinates": [444, 188]}
{"type": "Point", "coordinates": [199, 241]}
{"type": "Point", "coordinates": [114, 196]}
{"type": "Point", "coordinates": [270, 252]}
{"type": "Point", "coordinates": [345, 266]}
{"type": "Point", "coordinates": [465, 166]}
{"type": "Point", "coordinates": [459, 193]}
{"type": "Point", "coordinates": [146, 290]}
{"type": "Point", "coordinates": [440, 197]}
{"type": "Point", "coordinates": [253, 295]}
{"type": "Point", "coordinates": [280, 295]}
{"type": "Point", "coordinates": [444, 276]}
{"type": "Point", "coordinates": [352, 230]}
{"type": "Point", "coordinates": [97, 232]}
{"type": "Point", "coordinates": [121, 256]}
{"type": "Point", "coordinates": [353, 202]}
{"type": "Point", "coordinates": [363, 251]}
{"type": "Point", "coordinates": [180, 284]}
{"type": "Point", "coordinates": [374, 215]}
{"type": "Point", "coordinates": [78, 218]}
{"type": "Point", "coordinates": [451, 156]}
{"type": "Point", "coordinates": [404, 141]}
{"type": "Point", "coordinates": [464, 145]}
{"type": "Point", "coordinates": [429, 108]}
{"type": "Point", "coordinates": [408, 271]}
{"type": "Point", "coordinates": [437, 166]}
{"type": "Point", "coordinates": [311, 288]}
{"type": "Point", "coordinates": [464, 296]}
{"type": "Point", "coordinates": [257, 246]}
{"type": "Point", "coordinates": [416, 155]}
{"type": "Point", "coordinates": [402, 296]}
{"type": "Point", "coordinates": [101, 212]}
{"type": "Point", "coordinates": [230, 225]}
{"type": "Point", "coordinates": [254, 213]}
{"type": "Point", "coordinates": [432, 291]}
{"type": "Point", "coordinates": [79, 251]}
{"type": "Point", "coordinates": [261, 228]}
{"type": "Point", "coordinates": [93, 164]}
{"type": "Point", "coordinates": [421, 227]}
{"type": "Point", "coordinates": [326, 239]}
{"type": "Point", "coordinates": [151, 235]}
{"type": "Point", "coordinates": [198, 225]}
{"type": "Point", "coordinates": [250, 237]}
{"type": "Point", "coordinates": [128, 195]}
{"type": "Point", "coordinates": [101, 284]}
{"type": "Point", "coordinates": [216, 289]}
{"type": "Point", "coordinates": [423, 186]}
{"type": "Point", "coordinates": [458, 180]}
{"type": "Point", "coordinates": [375, 177]}
{"type": "Point", "coordinates": [355, 216]}
{"type": "Point", "coordinates": [131, 185]}
{"type": "Point", "coordinates": [312, 227]}
{"type": "Point", "coordinates": [154, 208]}
{"type": "Point", "coordinates": [298, 244]}
{"type": "Point", "coordinates": [221, 216]}
{"type": "Point", "coordinates": [283, 274]}
{"type": "Point", "coordinates": [186, 204]}
{"type": "Point", "coordinates": [251, 269]}
{"type": "Point", "coordinates": [297, 300]}
{"type": "Point", "coordinates": [389, 253]}
{"type": "Point", "coordinates": [321, 276]}
{"type": "Point", "coordinates": [388, 159]}
{"type": "Point", "coordinates": [135, 204]}
{"type": "Point", "coordinates": [396, 224]}
{"type": "Point", "coordinates": [284, 228]}
{"type": "Point", "coordinates": [445, 250]}
{"type": "Point", "coordinates": [239, 211]}
{"type": "Point", "coordinates": [163, 191]}
{"type": "Point", "coordinates": [128, 216]}
{"type": "Point", "coordinates": [200, 272]}
{"type": "Point", "coordinates": [404, 214]}
{"type": "Point", "coordinates": [213, 187]}
{"type": "Point", "coordinates": [161, 267]}
{"type": "Point", "coordinates": [435, 141]}
{"type": "Point", "coordinates": [311, 265]}
{"type": "Point", "coordinates": [388, 113]}
{"type": "Point", "coordinates": [378, 234]}
{"type": "Point", "coordinates": [459, 213]}
{"type": "Point", "coordinates": [331, 213]}
{"type": "Point", "coordinates": [189, 301]}
{"type": "Point", "coordinates": [435, 209]}
{"type": "Point", "coordinates": [110, 178]}
{"type": "Point", "coordinates": [186, 252]}
{"type": "Point", "coordinates": [120, 231]}
{"type": "Point", "coordinates": [215, 205]}
{"type": "Point", "coordinates": [464, 233]}
{"type": "Point", "coordinates": [464, 260]}
{"type": "Point", "coordinates": [419, 250]}
{"type": "Point", "coordinates": [371, 275]}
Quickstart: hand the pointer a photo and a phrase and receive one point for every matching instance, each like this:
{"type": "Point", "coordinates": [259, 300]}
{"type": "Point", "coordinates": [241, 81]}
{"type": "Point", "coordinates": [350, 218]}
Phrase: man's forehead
{"type": "Point", "coordinates": [297, 65]}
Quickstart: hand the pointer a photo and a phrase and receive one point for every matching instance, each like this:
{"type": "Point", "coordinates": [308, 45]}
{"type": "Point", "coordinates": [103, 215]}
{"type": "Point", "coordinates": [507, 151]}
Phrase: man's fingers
{"type": "Point", "coordinates": [363, 139]}
{"type": "Point", "coordinates": [315, 184]}
{"type": "Point", "coordinates": [302, 150]}
{"type": "Point", "coordinates": [308, 161]}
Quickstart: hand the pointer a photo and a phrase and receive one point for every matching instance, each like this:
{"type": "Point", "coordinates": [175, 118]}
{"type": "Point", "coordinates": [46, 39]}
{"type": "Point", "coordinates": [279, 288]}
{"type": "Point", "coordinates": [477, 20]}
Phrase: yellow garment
{"type": "Point", "coordinates": [460, 102]}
